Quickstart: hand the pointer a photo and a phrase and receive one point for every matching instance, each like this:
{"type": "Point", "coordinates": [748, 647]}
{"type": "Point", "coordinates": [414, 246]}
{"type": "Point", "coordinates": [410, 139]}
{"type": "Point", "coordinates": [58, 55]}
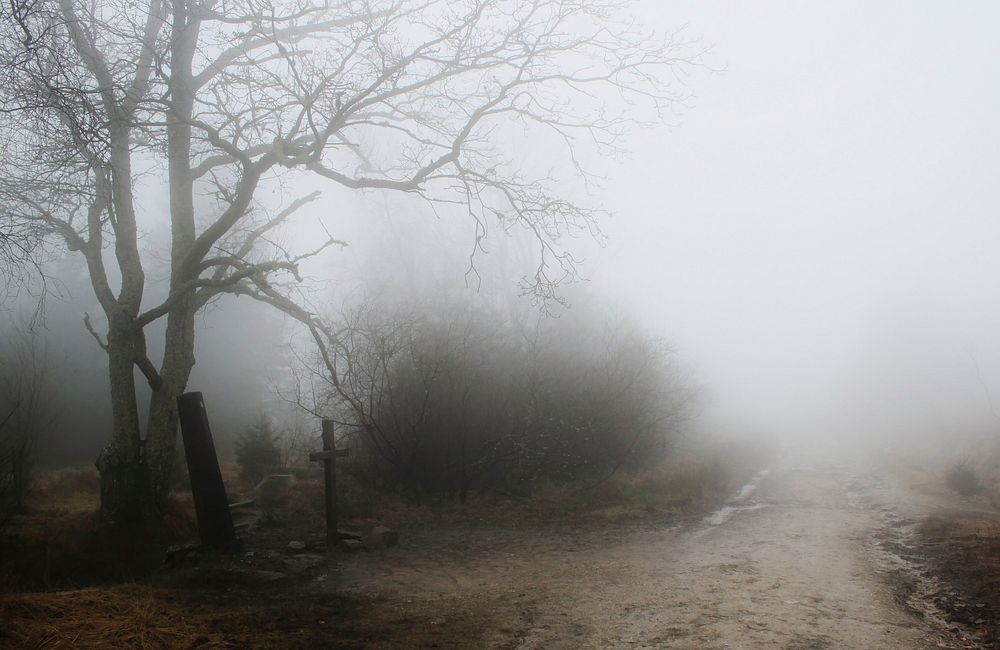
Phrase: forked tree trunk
{"type": "Point", "coordinates": [136, 472]}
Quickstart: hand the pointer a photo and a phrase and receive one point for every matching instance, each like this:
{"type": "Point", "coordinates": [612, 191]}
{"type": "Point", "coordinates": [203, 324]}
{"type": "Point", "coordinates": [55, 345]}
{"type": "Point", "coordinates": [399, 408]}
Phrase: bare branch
{"type": "Point", "coordinates": [93, 332]}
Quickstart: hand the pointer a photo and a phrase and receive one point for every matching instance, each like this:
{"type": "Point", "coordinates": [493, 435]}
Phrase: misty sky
{"type": "Point", "coordinates": [818, 234]}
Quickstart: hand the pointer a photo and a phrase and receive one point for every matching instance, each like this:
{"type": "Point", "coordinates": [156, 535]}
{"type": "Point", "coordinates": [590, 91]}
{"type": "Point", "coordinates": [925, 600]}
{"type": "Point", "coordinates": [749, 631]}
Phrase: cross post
{"type": "Point", "coordinates": [329, 455]}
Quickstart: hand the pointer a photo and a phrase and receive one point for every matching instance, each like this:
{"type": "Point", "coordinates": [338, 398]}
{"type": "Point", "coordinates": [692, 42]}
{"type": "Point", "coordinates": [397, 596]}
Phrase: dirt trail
{"type": "Point", "coordinates": [794, 561]}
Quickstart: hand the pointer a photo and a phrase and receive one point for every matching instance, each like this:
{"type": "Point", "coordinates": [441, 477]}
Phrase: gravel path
{"type": "Point", "coordinates": [796, 560]}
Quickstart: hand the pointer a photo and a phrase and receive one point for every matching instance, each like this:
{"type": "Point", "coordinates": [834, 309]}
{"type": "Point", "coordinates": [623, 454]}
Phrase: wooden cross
{"type": "Point", "coordinates": [329, 454]}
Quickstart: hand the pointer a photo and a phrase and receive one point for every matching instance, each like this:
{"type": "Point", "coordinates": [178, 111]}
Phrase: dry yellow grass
{"type": "Point", "coordinates": [684, 483]}
{"type": "Point", "coordinates": [57, 541]}
{"type": "Point", "coordinates": [127, 616]}
{"type": "Point", "coordinates": [141, 617]}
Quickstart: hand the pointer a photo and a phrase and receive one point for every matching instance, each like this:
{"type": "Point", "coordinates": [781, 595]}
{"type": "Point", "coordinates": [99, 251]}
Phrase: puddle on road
{"type": "Point", "coordinates": [734, 505]}
{"type": "Point", "coordinates": [723, 514]}
{"type": "Point", "coordinates": [750, 487]}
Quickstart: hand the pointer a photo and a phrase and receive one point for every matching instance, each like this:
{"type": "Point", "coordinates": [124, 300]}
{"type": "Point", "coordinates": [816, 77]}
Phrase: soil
{"type": "Point", "coordinates": [962, 552]}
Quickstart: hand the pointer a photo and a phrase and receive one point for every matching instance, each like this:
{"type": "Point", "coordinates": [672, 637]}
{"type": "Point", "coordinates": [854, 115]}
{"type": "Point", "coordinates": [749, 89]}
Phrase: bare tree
{"type": "Point", "coordinates": [229, 97]}
{"type": "Point", "coordinates": [26, 407]}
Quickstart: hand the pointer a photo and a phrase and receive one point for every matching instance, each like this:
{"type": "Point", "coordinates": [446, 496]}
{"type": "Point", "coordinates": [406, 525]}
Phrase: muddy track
{"type": "Point", "coordinates": [810, 555]}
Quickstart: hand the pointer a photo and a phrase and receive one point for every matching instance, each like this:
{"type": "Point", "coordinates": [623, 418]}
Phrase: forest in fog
{"type": "Point", "coordinates": [364, 175]}
{"type": "Point", "coordinates": [589, 206]}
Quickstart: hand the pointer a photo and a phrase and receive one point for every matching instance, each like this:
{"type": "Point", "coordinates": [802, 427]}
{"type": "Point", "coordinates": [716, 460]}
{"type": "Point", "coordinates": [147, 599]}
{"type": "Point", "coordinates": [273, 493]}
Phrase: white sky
{"type": "Point", "coordinates": [823, 221]}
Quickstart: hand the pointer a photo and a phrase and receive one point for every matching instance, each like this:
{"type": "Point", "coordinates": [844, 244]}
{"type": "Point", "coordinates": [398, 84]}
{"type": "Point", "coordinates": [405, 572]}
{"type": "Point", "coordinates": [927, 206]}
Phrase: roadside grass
{"type": "Point", "coordinates": [127, 616]}
{"type": "Point", "coordinates": [56, 541]}
{"type": "Point", "coordinates": [939, 478]}
{"type": "Point", "coordinates": [687, 483]}
{"type": "Point", "coordinates": [963, 552]}
{"type": "Point", "coordinates": [674, 489]}
{"type": "Point", "coordinates": [965, 466]}
{"type": "Point", "coordinates": [145, 617]}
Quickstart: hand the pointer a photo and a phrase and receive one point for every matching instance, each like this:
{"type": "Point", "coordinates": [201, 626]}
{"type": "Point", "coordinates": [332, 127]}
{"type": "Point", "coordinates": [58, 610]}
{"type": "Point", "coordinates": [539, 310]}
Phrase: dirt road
{"type": "Point", "coordinates": [803, 557]}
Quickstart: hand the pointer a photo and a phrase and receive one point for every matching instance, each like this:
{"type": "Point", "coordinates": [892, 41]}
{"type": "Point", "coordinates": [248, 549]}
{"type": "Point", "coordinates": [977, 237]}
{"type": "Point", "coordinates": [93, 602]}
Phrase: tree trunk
{"type": "Point", "coordinates": [161, 433]}
{"type": "Point", "coordinates": [136, 473]}
{"type": "Point", "coordinates": [125, 495]}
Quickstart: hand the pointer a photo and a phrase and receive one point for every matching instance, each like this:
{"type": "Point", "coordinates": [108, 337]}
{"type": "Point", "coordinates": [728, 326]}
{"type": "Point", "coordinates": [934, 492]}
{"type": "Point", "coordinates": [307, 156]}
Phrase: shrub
{"type": "Point", "coordinates": [257, 450]}
{"type": "Point", "coordinates": [27, 407]}
{"type": "Point", "coordinates": [962, 478]}
{"type": "Point", "coordinates": [459, 400]}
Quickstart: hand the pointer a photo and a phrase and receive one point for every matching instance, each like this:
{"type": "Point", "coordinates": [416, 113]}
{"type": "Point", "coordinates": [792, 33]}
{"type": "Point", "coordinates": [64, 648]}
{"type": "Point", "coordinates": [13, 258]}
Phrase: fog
{"type": "Point", "coordinates": [812, 231]}
{"type": "Point", "coordinates": [816, 232]}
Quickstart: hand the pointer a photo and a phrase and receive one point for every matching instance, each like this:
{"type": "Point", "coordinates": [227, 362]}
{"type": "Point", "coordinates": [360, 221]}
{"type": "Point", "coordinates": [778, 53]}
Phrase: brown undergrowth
{"type": "Point", "coordinates": [57, 542]}
{"type": "Point", "coordinates": [959, 545]}
{"type": "Point", "coordinates": [687, 483]}
{"type": "Point", "coordinates": [962, 551]}
{"type": "Point", "coordinates": [143, 616]}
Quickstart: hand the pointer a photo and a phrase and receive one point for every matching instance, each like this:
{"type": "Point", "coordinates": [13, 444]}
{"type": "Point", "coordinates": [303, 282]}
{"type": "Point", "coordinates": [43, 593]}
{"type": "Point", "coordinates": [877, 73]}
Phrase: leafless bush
{"type": "Point", "coordinates": [26, 408]}
{"type": "Point", "coordinates": [459, 400]}
{"type": "Point", "coordinates": [257, 450]}
{"type": "Point", "coordinates": [962, 478]}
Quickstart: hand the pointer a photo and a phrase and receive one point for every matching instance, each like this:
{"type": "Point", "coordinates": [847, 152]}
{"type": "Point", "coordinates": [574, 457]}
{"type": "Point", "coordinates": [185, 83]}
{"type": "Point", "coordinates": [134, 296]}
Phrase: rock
{"type": "Point", "coordinates": [302, 562]}
{"type": "Point", "coordinates": [296, 546]}
{"type": "Point", "coordinates": [272, 487]}
{"type": "Point", "coordinates": [343, 533]}
{"type": "Point", "coordinates": [179, 553]}
{"type": "Point", "coordinates": [268, 576]}
{"type": "Point", "coordinates": [246, 518]}
{"type": "Point", "coordinates": [351, 545]}
{"type": "Point", "coordinates": [380, 537]}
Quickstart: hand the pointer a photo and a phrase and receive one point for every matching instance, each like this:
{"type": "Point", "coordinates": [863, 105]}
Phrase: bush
{"type": "Point", "coordinates": [459, 400]}
{"type": "Point", "coordinates": [27, 407]}
{"type": "Point", "coordinates": [962, 478]}
{"type": "Point", "coordinates": [257, 450]}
